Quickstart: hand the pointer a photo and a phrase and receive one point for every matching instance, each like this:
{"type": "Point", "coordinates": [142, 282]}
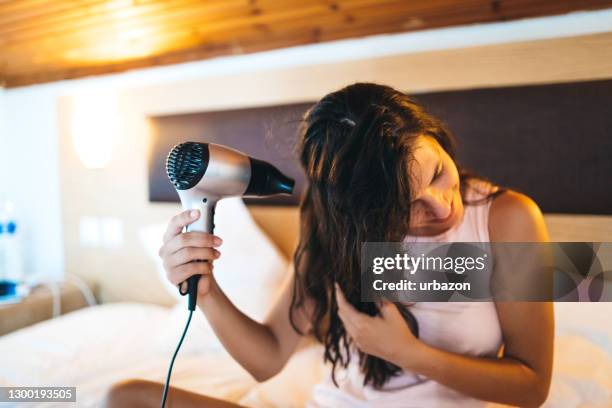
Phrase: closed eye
{"type": "Point", "coordinates": [439, 172]}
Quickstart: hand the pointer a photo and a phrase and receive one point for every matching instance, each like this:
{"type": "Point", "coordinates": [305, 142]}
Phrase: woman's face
{"type": "Point", "coordinates": [436, 198]}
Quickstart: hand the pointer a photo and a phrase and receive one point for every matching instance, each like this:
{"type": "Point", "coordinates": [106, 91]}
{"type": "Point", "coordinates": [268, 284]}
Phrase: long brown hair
{"type": "Point", "coordinates": [355, 147]}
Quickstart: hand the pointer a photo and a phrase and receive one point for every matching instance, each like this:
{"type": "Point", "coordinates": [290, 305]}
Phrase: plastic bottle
{"type": "Point", "coordinates": [7, 287]}
{"type": "Point", "coordinates": [14, 260]}
{"type": "Point", "coordinates": [11, 261]}
{"type": "Point", "coordinates": [3, 271]}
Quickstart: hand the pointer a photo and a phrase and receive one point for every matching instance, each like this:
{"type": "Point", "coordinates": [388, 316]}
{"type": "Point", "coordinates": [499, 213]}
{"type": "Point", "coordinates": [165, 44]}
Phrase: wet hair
{"type": "Point", "coordinates": [355, 147]}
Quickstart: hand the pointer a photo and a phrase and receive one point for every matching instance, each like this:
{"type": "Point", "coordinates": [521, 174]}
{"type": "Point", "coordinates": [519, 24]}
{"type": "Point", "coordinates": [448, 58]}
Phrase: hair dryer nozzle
{"type": "Point", "coordinates": [267, 180]}
{"type": "Point", "coordinates": [186, 164]}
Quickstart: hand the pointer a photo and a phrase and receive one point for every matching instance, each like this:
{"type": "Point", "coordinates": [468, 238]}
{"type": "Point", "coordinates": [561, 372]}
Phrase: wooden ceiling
{"type": "Point", "coordinates": [50, 40]}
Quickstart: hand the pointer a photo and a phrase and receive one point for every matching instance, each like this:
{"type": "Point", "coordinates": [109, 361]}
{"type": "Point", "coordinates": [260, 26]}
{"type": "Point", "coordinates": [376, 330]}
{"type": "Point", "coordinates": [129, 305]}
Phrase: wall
{"type": "Point", "coordinates": [30, 176]}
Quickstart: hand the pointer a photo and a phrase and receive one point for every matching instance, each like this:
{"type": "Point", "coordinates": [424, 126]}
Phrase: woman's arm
{"type": "Point", "coordinates": [261, 348]}
{"type": "Point", "coordinates": [521, 376]}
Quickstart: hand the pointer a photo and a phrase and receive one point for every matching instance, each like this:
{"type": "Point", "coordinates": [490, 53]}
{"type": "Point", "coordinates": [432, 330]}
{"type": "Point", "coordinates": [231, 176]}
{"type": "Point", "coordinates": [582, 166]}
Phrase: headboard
{"type": "Point", "coordinates": [552, 142]}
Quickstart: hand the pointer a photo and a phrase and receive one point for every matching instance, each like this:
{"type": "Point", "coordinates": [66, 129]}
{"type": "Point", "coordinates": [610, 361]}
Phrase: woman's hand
{"type": "Point", "coordinates": [189, 253]}
{"type": "Point", "coordinates": [387, 336]}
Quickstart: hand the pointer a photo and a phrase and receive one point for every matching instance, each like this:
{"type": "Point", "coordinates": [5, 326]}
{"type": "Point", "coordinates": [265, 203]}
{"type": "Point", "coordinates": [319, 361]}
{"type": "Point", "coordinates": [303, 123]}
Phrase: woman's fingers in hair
{"type": "Point", "coordinates": [343, 303]}
{"type": "Point", "coordinates": [347, 312]}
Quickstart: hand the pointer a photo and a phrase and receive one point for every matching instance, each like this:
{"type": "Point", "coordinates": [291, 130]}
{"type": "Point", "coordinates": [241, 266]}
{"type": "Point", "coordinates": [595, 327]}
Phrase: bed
{"type": "Point", "coordinates": [94, 347]}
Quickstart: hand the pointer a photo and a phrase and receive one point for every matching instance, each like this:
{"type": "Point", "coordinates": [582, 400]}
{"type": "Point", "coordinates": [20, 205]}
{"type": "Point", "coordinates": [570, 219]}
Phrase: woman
{"type": "Point", "coordinates": [380, 169]}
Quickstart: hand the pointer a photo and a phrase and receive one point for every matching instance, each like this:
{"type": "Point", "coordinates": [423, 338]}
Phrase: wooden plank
{"type": "Point", "coordinates": [189, 36]}
{"type": "Point", "coordinates": [104, 17]}
{"type": "Point", "coordinates": [26, 10]}
{"type": "Point", "coordinates": [164, 35]}
{"type": "Point", "coordinates": [171, 24]}
{"type": "Point", "coordinates": [174, 40]}
{"type": "Point", "coordinates": [81, 18]}
{"type": "Point", "coordinates": [513, 9]}
{"type": "Point", "coordinates": [175, 18]}
{"type": "Point", "coordinates": [212, 33]}
{"type": "Point", "coordinates": [250, 33]}
{"type": "Point", "coordinates": [166, 19]}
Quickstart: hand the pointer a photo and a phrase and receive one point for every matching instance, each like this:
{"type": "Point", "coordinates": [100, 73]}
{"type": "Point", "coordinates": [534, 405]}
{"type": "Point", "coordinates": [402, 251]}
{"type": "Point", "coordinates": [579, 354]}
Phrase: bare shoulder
{"type": "Point", "coordinates": [515, 217]}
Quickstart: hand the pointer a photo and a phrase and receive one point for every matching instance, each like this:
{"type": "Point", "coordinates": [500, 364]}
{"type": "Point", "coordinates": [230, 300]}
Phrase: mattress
{"type": "Point", "coordinates": [94, 347]}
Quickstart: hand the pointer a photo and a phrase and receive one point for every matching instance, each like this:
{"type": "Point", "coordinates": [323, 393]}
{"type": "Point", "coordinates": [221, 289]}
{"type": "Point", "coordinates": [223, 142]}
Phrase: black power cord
{"type": "Point", "coordinates": [163, 403]}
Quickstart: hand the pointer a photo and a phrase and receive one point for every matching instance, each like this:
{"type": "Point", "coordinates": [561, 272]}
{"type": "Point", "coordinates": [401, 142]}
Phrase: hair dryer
{"type": "Point", "coordinates": [204, 173]}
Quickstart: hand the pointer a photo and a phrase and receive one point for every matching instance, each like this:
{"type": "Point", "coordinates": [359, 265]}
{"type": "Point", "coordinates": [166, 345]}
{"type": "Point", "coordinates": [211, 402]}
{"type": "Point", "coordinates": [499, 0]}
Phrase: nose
{"type": "Point", "coordinates": [439, 203]}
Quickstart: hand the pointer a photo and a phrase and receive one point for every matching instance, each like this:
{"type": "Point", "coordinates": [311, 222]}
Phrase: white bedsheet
{"type": "Point", "coordinates": [95, 347]}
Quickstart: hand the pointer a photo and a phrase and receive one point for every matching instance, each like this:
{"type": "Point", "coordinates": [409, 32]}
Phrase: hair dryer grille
{"type": "Point", "coordinates": [186, 164]}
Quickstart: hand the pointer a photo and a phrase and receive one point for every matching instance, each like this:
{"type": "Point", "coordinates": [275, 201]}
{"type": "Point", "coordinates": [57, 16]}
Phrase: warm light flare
{"type": "Point", "coordinates": [126, 36]}
{"type": "Point", "coordinates": [95, 123]}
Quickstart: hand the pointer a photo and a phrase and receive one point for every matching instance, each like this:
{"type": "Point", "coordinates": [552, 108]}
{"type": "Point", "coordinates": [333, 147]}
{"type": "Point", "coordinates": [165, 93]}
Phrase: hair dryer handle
{"type": "Point", "coordinates": [206, 223]}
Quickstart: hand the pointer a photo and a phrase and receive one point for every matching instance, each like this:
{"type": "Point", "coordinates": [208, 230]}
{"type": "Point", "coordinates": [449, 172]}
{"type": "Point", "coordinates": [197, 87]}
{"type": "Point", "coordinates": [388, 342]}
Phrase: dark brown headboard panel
{"type": "Point", "coordinates": [552, 142]}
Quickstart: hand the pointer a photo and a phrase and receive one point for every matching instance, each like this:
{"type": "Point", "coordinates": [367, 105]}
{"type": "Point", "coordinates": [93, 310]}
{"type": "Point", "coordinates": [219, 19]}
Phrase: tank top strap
{"type": "Point", "coordinates": [477, 204]}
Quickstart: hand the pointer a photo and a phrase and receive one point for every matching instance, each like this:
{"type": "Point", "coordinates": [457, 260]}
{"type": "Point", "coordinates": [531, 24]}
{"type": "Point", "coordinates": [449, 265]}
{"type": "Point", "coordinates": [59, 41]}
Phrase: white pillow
{"type": "Point", "coordinates": [250, 269]}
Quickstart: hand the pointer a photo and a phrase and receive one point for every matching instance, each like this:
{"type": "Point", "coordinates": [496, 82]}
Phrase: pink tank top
{"type": "Point", "coordinates": [468, 328]}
